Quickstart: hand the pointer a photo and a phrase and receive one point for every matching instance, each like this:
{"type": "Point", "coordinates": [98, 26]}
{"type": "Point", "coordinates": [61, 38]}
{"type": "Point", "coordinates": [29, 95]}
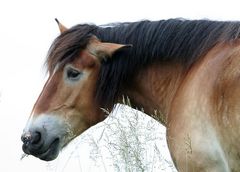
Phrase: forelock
{"type": "Point", "coordinates": [66, 47]}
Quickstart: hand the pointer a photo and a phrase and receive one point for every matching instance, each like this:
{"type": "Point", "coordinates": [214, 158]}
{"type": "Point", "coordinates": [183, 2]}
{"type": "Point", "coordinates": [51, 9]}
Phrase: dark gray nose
{"type": "Point", "coordinates": [39, 143]}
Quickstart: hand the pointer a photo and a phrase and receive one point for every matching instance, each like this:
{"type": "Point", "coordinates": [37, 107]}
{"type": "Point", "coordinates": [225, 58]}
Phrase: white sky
{"type": "Point", "coordinates": [27, 28]}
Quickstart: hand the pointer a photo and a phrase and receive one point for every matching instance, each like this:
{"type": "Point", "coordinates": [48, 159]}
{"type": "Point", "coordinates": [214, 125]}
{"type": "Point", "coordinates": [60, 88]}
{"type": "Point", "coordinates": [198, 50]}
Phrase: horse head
{"type": "Point", "coordinates": [66, 106]}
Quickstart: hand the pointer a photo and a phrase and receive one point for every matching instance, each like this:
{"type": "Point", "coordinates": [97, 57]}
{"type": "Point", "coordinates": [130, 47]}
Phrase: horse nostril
{"type": "Point", "coordinates": [33, 138]}
{"type": "Point", "coordinates": [36, 137]}
{"type": "Point", "coordinates": [26, 138]}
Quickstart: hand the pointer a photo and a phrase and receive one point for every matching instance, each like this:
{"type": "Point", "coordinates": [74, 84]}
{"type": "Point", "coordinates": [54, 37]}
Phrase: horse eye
{"type": "Point", "coordinates": [73, 74]}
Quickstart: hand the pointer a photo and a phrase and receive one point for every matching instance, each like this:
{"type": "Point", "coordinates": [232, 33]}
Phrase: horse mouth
{"type": "Point", "coordinates": [52, 151]}
{"type": "Point", "coordinates": [48, 154]}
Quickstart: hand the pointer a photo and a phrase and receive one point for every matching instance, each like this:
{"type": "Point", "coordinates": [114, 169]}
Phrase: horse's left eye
{"type": "Point", "coordinates": [73, 74]}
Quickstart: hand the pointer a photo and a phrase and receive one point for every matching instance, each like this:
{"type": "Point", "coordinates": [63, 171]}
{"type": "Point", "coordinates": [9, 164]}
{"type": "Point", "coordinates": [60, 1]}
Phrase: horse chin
{"type": "Point", "coordinates": [52, 152]}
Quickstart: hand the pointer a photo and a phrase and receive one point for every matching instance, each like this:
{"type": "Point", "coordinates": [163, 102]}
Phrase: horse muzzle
{"type": "Point", "coordinates": [44, 136]}
{"type": "Point", "coordinates": [35, 144]}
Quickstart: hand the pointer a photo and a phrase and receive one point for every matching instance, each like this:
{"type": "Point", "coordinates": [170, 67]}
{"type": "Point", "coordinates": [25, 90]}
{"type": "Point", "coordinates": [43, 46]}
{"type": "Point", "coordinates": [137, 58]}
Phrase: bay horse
{"type": "Point", "coordinates": [188, 71]}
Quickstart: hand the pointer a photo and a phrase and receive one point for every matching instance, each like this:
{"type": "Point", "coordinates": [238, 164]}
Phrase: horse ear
{"type": "Point", "coordinates": [62, 28]}
{"type": "Point", "coordinates": [104, 50]}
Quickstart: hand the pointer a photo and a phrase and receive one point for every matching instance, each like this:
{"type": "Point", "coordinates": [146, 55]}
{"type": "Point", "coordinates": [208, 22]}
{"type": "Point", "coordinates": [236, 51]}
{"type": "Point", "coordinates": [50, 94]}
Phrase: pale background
{"type": "Point", "coordinates": [27, 28]}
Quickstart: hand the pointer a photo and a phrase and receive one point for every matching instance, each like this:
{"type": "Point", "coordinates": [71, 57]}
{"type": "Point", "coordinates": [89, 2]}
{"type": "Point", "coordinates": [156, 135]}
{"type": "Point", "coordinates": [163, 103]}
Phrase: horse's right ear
{"type": "Point", "coordinates": [103, 50]}
{"type": "Point", "coordinates": [62, 28]}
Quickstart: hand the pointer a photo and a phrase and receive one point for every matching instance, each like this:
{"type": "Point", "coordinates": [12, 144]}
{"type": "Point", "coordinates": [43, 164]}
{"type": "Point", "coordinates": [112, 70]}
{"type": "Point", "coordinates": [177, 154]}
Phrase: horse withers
{"type": "Point", "coordinates": [187, 71]}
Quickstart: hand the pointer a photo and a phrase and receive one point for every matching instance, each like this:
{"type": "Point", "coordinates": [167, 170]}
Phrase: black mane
{"type": "Point", "coordinates": [177, 40]}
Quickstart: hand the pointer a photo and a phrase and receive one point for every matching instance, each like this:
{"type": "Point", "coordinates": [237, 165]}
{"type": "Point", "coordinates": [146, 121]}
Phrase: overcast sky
{"type": "Point", "coordinates": [27, 28]}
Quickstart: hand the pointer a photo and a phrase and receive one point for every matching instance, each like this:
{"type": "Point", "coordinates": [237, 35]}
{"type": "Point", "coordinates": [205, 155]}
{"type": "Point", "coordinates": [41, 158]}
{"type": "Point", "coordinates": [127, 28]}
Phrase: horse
{"type": "Point", "coordinates": [185, 70]}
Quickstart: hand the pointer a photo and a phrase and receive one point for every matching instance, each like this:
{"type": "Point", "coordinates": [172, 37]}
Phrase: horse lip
{"type": "Point", "coordinates": [51, 152]}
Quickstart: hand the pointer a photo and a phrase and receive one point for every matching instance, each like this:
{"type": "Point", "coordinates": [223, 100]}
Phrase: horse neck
{"type": "Point", "coordinates": [154, 87]}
